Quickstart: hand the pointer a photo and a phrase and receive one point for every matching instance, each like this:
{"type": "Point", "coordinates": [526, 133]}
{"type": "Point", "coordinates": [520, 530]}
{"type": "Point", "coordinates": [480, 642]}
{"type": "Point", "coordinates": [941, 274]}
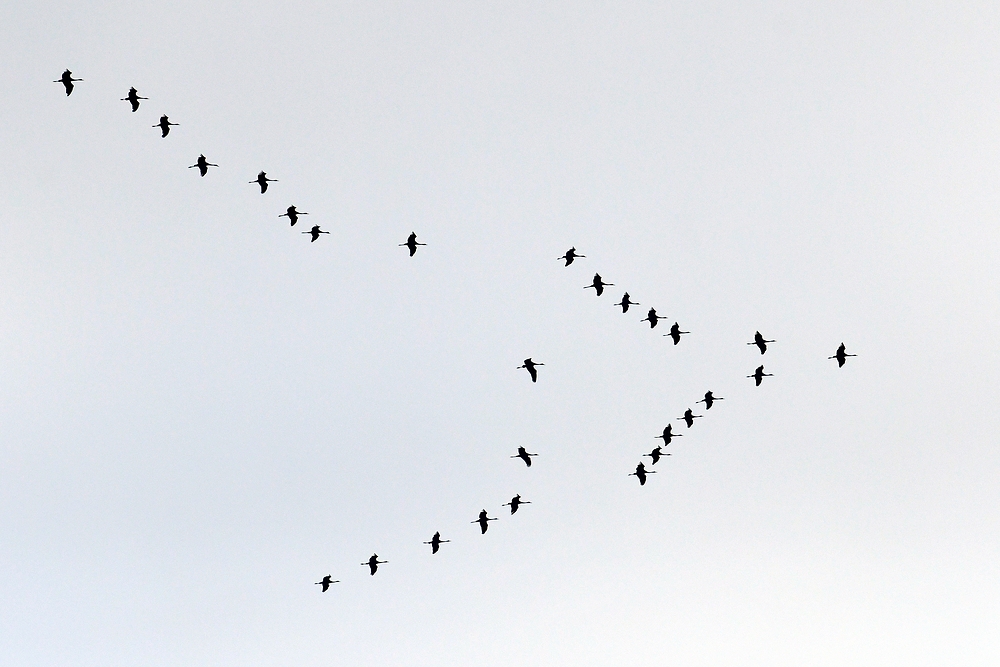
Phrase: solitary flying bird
{"type": "Point", "coordinates": [516, 502]}
{"type": "Point", "coordinates": [759, 375]}
{"type": "Point", "coordinates": [656, 454]}
{"type": "Point", "coordinates": [263, 180]}
{"type": "Point", "coordinates": [373, 563]}
{"type": "Point", "coordinates": [668, 434]}
{"type": "Point", "coordinates": [709, 399]}
{"type": "Point", "coordinates": [292, 215]}
{"type": "Point", "coordinates": [675, 333]}
{"type": "Point", "coordinates": [436, 542]}
{"type": "Point", "coordinates": [133, 99]}
{"type": "Point", "coordinates": [759, 341]}
{"type": "Point", "coordinates": [67, 80]}
{"type": "Point", "coordinates": [411, 243]}
{"type": "Point", "coordinates": [165, 125]}
{"type": "Point", "coordinates": [625, 303]}
{"type": "Point", "coordinates": [570, 256]}
{"type": "Point", "coordinates": [327, 580]}
{"type": "Point", "coordinates": [203, 164]}
{"type": "Point", "coordinates": [523, 454]}
{"type": "Point", "coordinates": [841, 355]}
{"type": "Point", "coordinates": [530, 365]}
{"type": "Point", "coordinates": [483, 521]}
{"type": "Point", "coordinates": [599, 284]}
{"type": "Point", "coordinates": [689, 417]}
{"type": "Point", "coordinates": [652, 318]}
{"type": "Point", "coordinates": [315, 232]}
{"type": "Point", "coordinates": [641, 472]}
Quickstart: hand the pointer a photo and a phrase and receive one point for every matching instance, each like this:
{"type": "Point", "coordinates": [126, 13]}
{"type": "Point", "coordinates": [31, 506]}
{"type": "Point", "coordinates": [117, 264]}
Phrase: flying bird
{"type": "Point", "coordinates": [373, 563]}
{"type": "Point", "coordinates": [709, 399]}
{"type": "Point", "coordinates": [67, 80]}
{"type": "Point", "coordinates": [841, 356]}
{"type": "Point", "coordinates": [436, 542]}
{"type": "Point", "coordinates": [203, 164]}
{"type": "Point", "coordinates": [759, 375]}
{"type": "Point", "coordinates": [599, 284]}
{"type": "Point", "coordinates": [530, 365]}
{"type": "Point", "coordinates": [327, 580]}
{"type": "Point", "coordinates": [516, 502]}
{"type": "Point", "coordinates": [315, 232]}
{"type": "Point", "coordinates": [133, 99]}
{"type": "Point", "coordinates": [570, 256]}
{"type": "Point", "coordinates": [483, 521]}
{"type": "Point", "coordinates": [668, 434]}
{"type": "Point", "coordinates": [675, 333]}
{"type": "Point", "coordinates": [640, 473]}
{"type": "Point", "coordinates": [165, 125]}
{"type": "Point", "coordinates": [292, 215]}
{"type": "Point", "coordinates": [656, 454]}
{"type": "Point", "coordinates": [689, 417]}
{"type": "Point", "coordinates": [625, 303]}
{"type": "Point", "coordinates": [411, 243]}
{"type": "Point", "coordinates": [262, 180]}
{"type": "Point", "coordinates": [759, 341]}
{"type": "Point", "coordinates": [523, 454]}
{"type": "Point", "coordinates": [652, 318]}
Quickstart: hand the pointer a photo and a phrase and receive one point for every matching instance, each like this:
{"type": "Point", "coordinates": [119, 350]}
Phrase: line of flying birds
{"type": "Point", "coordinates": [597, 284]}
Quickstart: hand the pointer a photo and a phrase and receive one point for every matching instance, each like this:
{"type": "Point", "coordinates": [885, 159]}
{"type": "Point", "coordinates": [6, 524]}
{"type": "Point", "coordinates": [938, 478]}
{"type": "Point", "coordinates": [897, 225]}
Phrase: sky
{"type": "Point", "coordinates": [202, 412]}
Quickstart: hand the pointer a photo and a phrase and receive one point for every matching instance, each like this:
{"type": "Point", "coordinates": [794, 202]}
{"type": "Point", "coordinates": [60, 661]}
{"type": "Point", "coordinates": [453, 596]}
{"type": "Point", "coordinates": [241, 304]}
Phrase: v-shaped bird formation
{"type": "Point", "coordinates": [569, 257]}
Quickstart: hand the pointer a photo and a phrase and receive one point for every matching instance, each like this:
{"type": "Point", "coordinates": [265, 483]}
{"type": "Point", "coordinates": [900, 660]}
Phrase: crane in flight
{"type": "Point", "coordinates": [530, 365]}
{"type": "Point", "coordinates": [436, 542]}
{"type": "Point", "coordinates": [315, 232]}
{"type": "Point", "coordinates": [759, 341]}
{"type": "Point", "coordinates": [483, 521]}
{"type": "Point", "coordinates": [411, 243]}
{"type": "Point", "coordinates": [656, 454]}
{"type": "Point", "coordinates": [67, 80]}
{"type": "Point", "coordinates": [523, 454]}
{"type": "Point", "coordinates": [373, 563]}
{"type": "Point", "coordinates": [516, 502]}
{"type": "Point", "coordinates": [570, 256]}
{"type": "Point", "coordinates": [709, 400]}
{"type": "Point", "coordinates": [841, 356]}
{"type": "Point", "coordinates": [668, 434]}
{"type": "Point", "coordinates": [133, 99]}
{"type": "Point", "coordinates": [326, 581]}
{"type": "Point", "coordinates": [202, 164]}
{"type": "Point", "coordinates": [675, 333]}
{"type": "Point", "coordinates": [640, 473]}
{"type": "Point", "coordinates": [689, 417]}
{"type": "Point", "coordinates": [599, 284]}
{"type": "Point", "coordinates": [652, 318]}
{"type": "Point", "coordinates": [165, 125]}
{"type": "Point", "coordinates": [292, 215]}
{"type": "Point", "coordinates": [262, 180]}
{"type": "Point", "coordinates": [626, 302]}
{"type": "Point", "coordinates": [759, 375]}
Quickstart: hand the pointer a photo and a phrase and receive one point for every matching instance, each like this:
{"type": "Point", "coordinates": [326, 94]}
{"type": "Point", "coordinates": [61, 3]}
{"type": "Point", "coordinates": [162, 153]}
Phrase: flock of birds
{"type": "Point", "coordinates": [571, 255]}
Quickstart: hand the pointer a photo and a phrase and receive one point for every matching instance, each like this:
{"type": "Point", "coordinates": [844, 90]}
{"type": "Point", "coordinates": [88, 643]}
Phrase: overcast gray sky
{"type": "Point", "coordinates": [202, 413]}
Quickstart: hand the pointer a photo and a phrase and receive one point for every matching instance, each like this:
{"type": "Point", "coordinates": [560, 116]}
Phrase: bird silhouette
{"type": "Point", "coordinates": [516, 502]}
{"type": "Point", "coordinates": [373, 563]}
{"type": "Point", "coordinates": [436, 542]}
{"type": "Point", "coordinates": [570, 256]}
{"type": "Point", "coordinates": [165, 125]}
{"type": "Point", "coordinates": [668, 434]}
{"type": "Point", "coordinates": [315, 232]}
{"type": "Point", "coordinates": [203, 164]}
{"type": "Point", "coordinates": [133, 99]}
{"type": "Point", "coordinates": [759, 375]}
{"type": "Point", "coordinates": [640, 473]}
{"type": "Point", "coordinates": [530, 365]}
{"type": "Point", "coordinates": [656, 454]}
{"type": "Point", "coordinates": [483, 521]}
{"type": "Point", "coordinates": [327, 580]}
{"type": "Point", "coordinates": [67, 80]}
{"type": "Point", "coordinates": [759, 341]}
{"type": "Point", "coordinates": [262, 180]}
{"type": "Point", "coordinates": [523, 454]}
{"type": "Point", "coordinates": [599, 284]}
{"type": "Point", "coordinates": [625, 303]}
{"type": "Point", "coordinates": [652, 318]}
{"type": "Point", "coordinates": [292, 215]}
{"type": "Point", "coordinates": [709, 400]}
{"type": "Point", "coordinates": [411, 243]}
{"type": "Point", "coordinates": [689, 417]}
{"type": "Point", "coordinates": [841, 356]}
{"type": "Point", "coordinates": [675, 333]}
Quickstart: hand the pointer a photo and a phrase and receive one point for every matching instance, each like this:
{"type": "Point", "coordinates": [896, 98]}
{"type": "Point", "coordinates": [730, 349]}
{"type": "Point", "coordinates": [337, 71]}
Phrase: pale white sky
{"type": "Point", "coordinates": [202, 413]}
